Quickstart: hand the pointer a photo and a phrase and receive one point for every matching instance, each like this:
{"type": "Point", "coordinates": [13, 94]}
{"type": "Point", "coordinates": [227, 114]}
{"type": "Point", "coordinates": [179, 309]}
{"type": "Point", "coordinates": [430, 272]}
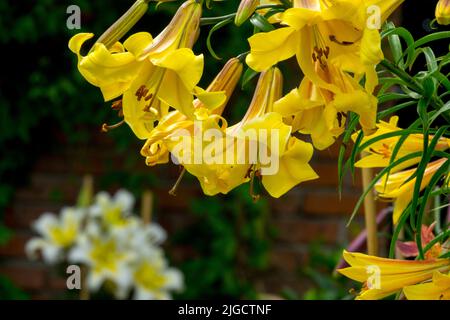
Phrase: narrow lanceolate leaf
{"type": "Point", "coordinates": [384, 114]}
{"type": "Point", "coordinates": [433, 182]}
{"type": "Point", "coordinates": [213, 29]}
{"type": "Point", "coordinates": [261, 23]}
{"type": "Point", "coordinates": [378, 177]}
{"type": "Point", "coordinates": [408, 38]}
{"type": "Point", "coordinates": [354, 119]}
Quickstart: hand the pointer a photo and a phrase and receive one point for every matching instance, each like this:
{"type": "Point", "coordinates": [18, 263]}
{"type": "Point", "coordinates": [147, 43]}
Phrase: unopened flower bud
{"type": "Point", "coordinates": [124, 24]}
{"type": "Point", "coordinates": [443, 12]}
{"type": "Point", "coordinates": [245, 11]}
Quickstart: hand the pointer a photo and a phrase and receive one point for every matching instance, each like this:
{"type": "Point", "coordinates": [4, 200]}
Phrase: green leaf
{"type": "Point", "coordinates": [408, 38]}
{"type": "Point", "coordinates": [434, 180]}
{"type": "Point", "coordinates": [249, 74]}
{"type": "Point", "coordinates": [261, 23]}
{"type": "Point", "coordinates": [5, 235]}
{"type": "Point", "coordinates": [213, 29]}
{"type": "Point", "coordinates": [378, 177]}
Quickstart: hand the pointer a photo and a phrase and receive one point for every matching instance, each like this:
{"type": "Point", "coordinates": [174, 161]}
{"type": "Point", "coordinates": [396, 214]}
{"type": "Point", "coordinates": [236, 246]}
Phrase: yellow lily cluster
{"type": "Point", "coordinates": [337, 46]}
{"type": "Point", "coordinates": [397, 186]}
{"type": "Point", "coordinates": [381, 277]}
{"type": "Point", "coordinates": [155, 83]}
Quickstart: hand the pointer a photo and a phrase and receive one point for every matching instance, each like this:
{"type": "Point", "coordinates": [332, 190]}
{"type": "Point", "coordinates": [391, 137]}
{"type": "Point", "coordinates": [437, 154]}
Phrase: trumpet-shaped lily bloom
{"type": "Point", "coordinates": [382, 277]}
{"type": "Point", "coordinates": [437, 289]}
{"type": "Point", "coordinates": [321, 113]}
{"type": "Point", "coordinates": [232, 156]}
{"type": "Point", "coordinates": [325, 31]}
{"type": "Point", "coordinates": [155, 149]}
{"type": "Point", "coordinates": [397, 189]}
{"type": "Point", "coordinates": [151, 74]}
{"type": "Point", "coordinates": [380, 152]}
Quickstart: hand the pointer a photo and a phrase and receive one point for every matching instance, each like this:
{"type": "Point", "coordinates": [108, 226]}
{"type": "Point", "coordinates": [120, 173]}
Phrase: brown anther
{"type": "Point", "coordinates": [117, 105]}
{"type": "Point", "coordinates": [141, 92]}
{"type": "Point", "coordinates": [327, 52]}
{"type": "Point", "coordinates": [148, 97]}
{"type": "Point", "coordinates": [342, 43]}
{"type": "Point", "coordinates": [340, 117]}
{"type": "Point", "coordinates": [314, 57]}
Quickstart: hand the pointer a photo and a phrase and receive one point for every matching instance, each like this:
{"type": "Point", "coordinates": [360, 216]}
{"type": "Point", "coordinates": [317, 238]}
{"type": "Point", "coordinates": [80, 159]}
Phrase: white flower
{"type": "Point", "coordinates": [58, 233]}
{"type": "Point", "coordinates": [153, 279]}
{"type": "Point", "coordinates": [106, 258]}
{"type": "Point", "coordinates": [151, 234]}
{"type": "Point", "coordinates": [115, 210]}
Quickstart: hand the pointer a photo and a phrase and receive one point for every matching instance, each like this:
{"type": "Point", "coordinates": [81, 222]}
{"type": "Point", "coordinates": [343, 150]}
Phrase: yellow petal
{"type": "Point", "coordinates": [269, 48]}
{"type": "Point", "coordinates": [293, 169]}
{"type": "Point", "coordinates": [185, 64]}
{"type": "Point", "coordinates": [361, 103]}
{"type": "Point", "coordinates": [212, 100]}
{"type": "Point", "coordinates": [112, 71]}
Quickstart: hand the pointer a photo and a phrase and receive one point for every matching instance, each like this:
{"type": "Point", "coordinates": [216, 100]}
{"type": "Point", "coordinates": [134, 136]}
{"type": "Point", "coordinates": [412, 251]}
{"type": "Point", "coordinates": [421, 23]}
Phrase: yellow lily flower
{"type": "Point", "coordinates": [443, 12]}
{"type": "Point", "coordinates": [155, 149]}
{"type": "Point", "coordinates": [401, 193]}
{"type": "Point", "coordinates": [152, 75]}
{"type": "Point", "coordinates": [313, 110]}
{"type": "Point", "coordinates": [380, 152]}
{"type": "Point", "coordinates": [325, 32]}
{"type": "Point", "coordinates": [235, 142]}
{"type": "Point", "coordinates": [383, 277]}
{"type": "Point", "coordinates": [437, 289]}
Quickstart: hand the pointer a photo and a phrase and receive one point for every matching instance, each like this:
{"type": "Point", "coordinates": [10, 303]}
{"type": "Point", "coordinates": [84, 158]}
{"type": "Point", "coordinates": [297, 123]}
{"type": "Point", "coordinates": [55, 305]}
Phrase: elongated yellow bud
{"type": "Point", "coordinates": [443, 12]}
{"type": "Point", "coordinates": [226, 80]}
{"type": "Point", "coordinates": [182, 31]}
{"type": "Point", "coordinates": [268, 90]}
{"type": "Point", "coordinates": [245, 11]}
{"type": "Point", "coordinates": [124, 24]}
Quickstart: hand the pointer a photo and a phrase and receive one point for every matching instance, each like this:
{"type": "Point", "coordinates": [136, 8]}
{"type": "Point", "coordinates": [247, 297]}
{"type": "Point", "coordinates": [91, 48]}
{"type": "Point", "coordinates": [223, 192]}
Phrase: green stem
{"type": "Point", "coordinates": [214, 20]}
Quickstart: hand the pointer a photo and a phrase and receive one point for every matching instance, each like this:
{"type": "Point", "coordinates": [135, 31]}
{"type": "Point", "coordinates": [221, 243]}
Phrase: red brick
{"type": "Point", "coordinates": [15, 247]}
{"type": "Point", "coordinates": [305, 231]}
{"type": "Point", "coordinates": [287, 260]}
{"type": "Point", "coordinates": [27, 278]}
{"type": "Point", "coordinates": [328, 175]}
{"type": "Point", "coordinates": [288, 205]}
{"type": "Point", "coordinates": [328, 203]}
{"type": "Point", "coordinates": [21, 215]}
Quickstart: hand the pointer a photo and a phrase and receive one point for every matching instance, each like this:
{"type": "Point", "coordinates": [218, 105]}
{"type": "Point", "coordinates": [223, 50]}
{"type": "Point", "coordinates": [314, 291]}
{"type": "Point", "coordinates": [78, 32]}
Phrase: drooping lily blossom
{"type": "Point", "coordinates": [382, 277]}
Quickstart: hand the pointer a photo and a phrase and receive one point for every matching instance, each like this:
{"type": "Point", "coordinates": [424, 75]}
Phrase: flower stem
{"type": "Point", "coordinates": [214, 20]}
{"type": "Point", "coordinates": [370, 213]}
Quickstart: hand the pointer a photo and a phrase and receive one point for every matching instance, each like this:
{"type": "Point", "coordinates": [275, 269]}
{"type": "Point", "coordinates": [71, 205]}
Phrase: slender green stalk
{"type": "Point", "coordinates": [214, 20]}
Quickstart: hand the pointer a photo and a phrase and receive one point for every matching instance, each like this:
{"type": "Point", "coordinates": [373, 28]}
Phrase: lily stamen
{"type": "Point", "coordinates": [107, 128]}
{"type": "Point", "coordinates": [173, 191]}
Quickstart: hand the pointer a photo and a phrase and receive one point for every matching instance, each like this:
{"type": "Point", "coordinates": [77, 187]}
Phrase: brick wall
{"type": "Point", "coordinates": [307, 213]}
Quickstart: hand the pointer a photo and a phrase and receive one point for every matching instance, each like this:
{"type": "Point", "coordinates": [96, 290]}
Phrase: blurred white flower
{"type": "Point", "coordinates": [153, 279]}
{"type": "Point", "coordinates": [121, 253]}
{"type": "Point", "coordinates": [57, 233]}
{"type": "Point", "coordinates": [113, 210]}
{"type": "Point", "coordinates": [107, 260]}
